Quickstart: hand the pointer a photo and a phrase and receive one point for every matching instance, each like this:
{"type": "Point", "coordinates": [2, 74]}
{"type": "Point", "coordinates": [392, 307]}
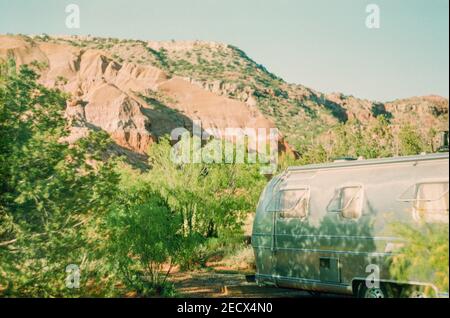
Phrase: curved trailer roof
{"type": "Point", "coordinates": [368, 162]}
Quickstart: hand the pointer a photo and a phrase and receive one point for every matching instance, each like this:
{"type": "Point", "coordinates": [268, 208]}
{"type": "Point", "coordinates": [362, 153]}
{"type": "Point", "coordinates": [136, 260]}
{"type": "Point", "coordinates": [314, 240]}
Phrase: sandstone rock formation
{"type": "Point", "coordinates": [138, 91]}
{"type": "Point", "coordinates": [110, 95]}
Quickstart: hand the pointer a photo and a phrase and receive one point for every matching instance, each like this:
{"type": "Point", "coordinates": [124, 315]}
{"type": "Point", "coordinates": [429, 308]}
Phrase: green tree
{"type": "Point", "coordinates": [144, 236]}
{"type": "Point", "coordinates": [425, 255]}
{"type": "Point", "coordinates": [376, 140]}
{"type": "Point", "coordinates": [212, 200]}
{"type": "Point", "coordinates": [52, 194]}
{"type": "Point", "coordinates": [410, 141]}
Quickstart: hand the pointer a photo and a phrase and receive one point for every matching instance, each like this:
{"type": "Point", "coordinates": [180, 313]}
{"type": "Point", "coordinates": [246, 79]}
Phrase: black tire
{"type": "Point", "coordinates": [414, 292]}
{"type": "Point", "coordinates": [382, 291]}
{"type": "Point", "coordinates": [315, 293]}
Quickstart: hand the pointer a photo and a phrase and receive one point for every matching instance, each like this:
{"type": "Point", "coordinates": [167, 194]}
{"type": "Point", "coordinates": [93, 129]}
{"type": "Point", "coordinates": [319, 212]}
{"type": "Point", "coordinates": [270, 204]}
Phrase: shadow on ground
{"type": "Point", "coordinates": [217, 284]}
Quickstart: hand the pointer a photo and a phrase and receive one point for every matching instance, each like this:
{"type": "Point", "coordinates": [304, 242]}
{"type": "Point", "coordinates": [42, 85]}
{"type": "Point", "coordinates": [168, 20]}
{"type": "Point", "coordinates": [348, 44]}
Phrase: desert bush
{"type": "Point", "coordinates": [424, 257]}
{"type": "Point", "coordinates": [410, 141]}
{"type": "Point", "coordinates": [211, 200]}
{"type": "Point", "coordinates": [376, 139]}
{"type": "Point", "coordinates": [145, 235]}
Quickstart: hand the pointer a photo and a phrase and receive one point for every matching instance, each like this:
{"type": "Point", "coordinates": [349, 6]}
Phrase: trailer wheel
{"type": "Point", "coordinates": [414, 292]}
{"type": "Point", "coordinates": [314, 293]}
{"type": "Point", "coordinates": [417, 294]}
{"type": "Point", "coordinates": [373, 292]}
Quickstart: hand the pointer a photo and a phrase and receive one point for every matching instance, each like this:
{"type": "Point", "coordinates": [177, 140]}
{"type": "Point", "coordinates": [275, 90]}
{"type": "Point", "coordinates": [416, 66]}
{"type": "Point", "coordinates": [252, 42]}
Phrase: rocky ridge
{"type": "Point", "coordinates": [138, 91]}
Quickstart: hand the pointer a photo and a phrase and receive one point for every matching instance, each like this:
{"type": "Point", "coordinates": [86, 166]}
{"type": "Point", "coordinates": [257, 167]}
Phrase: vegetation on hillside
{"type": "Point", "coordinates": [302, 115]}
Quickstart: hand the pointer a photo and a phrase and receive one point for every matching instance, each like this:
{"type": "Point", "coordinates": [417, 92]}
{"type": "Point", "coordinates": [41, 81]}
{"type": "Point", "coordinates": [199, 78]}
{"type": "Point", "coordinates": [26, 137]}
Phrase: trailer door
{"type": "Point", "coordinates": [291, 259]}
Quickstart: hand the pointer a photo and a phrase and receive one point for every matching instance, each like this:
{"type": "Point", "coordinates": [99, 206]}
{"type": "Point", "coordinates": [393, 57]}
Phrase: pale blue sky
{"type": "Point", "coordinates": [323, 44]}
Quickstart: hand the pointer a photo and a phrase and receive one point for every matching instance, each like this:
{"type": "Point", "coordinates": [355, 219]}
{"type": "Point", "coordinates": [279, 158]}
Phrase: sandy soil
{"type": "Point", "coordinates": [217, 284]}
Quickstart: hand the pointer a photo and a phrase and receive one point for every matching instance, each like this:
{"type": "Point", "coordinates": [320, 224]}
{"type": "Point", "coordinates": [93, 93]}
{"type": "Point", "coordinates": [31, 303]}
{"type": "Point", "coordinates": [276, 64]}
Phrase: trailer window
{"type": "Point", "coordinates": [348, 201]}
{"type": "Point", "coordinates": [294, 203]}
{"type": "Point", "coordinates": [291, 203]}
{"type": "Point", "coordinates": [432, 202]}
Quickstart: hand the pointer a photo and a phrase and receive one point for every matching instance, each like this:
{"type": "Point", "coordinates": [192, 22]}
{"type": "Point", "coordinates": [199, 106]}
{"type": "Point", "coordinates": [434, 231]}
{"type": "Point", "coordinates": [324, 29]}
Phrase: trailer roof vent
{"type": "Point", "coordinates": [344, 159]}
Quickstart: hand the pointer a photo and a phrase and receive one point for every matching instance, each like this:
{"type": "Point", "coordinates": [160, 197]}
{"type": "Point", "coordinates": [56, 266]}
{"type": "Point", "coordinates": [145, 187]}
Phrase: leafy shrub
{"type": "Point", "coordinates": [425, 257]}
{"type": "Point", "coordinates": [51, 195]}
{"type": "Point", "coordinates": [410, 141]}
{"type": "Point", "coordinates": [145, 235]}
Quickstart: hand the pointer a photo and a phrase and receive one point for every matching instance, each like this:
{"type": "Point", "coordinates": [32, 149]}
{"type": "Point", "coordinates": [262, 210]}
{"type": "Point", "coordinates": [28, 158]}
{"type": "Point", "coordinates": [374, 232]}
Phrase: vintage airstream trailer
{"type": "Point", "coordinates": [323, 227]}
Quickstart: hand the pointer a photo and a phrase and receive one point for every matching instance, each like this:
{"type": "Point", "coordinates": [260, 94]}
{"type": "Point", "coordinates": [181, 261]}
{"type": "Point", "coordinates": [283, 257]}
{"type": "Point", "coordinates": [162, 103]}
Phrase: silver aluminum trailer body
{"type": "Point", "coordinates": [324, 227]}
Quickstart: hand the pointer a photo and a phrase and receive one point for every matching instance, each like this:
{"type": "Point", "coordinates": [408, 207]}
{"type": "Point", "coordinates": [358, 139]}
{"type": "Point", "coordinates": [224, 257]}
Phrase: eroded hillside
{"type": "Point", "coordinates": [138, 91]}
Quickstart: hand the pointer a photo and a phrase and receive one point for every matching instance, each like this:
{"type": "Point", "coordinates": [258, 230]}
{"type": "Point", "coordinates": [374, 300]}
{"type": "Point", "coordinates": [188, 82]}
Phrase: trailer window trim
{"type": "Point", "coordinates": [284, 214]}
{"type": "Point", "coordinates": [274, 206]}
{"type": "Point", "coordinates": [424, 213]}
{"type": "Point", "coordinates": [353, 197]}
{"type": "Point", "coordinates": [338, 196]}
{"type": "Point", "coordinates": [415, 186]}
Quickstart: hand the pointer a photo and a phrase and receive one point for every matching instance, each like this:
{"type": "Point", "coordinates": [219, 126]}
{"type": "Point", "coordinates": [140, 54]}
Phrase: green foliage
{"type": "Point", "coordinates": [314, 154]}
{"type": "Point", "coordinates": [425, 256]}
{"type": "Point", "coordinates": [60, 81]}
{"type": "Point", "coordinates": [144, 235]}
{"type": "Point", "coordinates": [51, 193]}
{"type": "Point", "coordinates": [375, 140]}
{"type": "Point", "coordinates": [354, 139]}
{"type": "Point", "coordinates": [410, 141]}
{"type": "Point", "coordinates": [211, 200]}
{"type": "Point", "coordinates": [209, 196]}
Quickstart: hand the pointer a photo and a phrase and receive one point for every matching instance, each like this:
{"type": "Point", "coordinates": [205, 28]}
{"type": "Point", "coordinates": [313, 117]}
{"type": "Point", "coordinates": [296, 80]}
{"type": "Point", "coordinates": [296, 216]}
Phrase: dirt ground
{"type": "Point", "coordinates": [217, 284]}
